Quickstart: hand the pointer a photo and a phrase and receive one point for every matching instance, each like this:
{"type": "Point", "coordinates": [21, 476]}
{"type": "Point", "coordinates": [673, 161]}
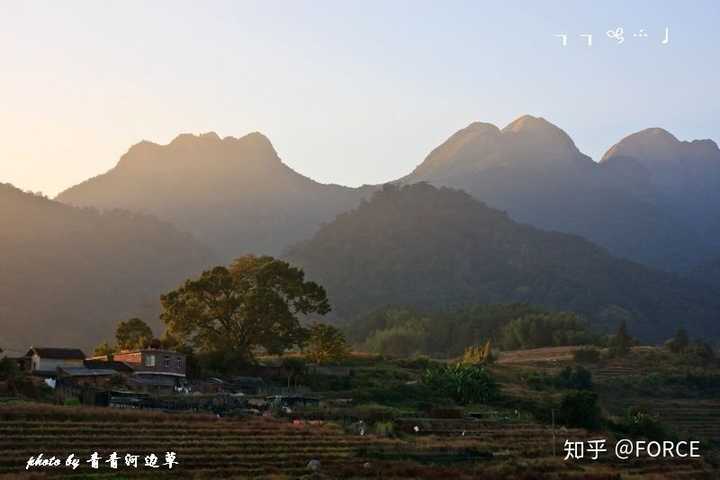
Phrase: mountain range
{"type": "Point", "coordinates": [651, 199]}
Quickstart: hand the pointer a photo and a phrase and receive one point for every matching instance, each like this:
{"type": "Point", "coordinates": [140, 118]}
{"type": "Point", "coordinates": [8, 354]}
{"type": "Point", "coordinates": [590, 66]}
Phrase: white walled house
{"type": "Point", "coordinates": [45, 361]}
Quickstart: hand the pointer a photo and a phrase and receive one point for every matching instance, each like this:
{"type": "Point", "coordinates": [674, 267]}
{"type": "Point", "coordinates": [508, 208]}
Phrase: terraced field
{"type": "Point", "coordinates": [208, 447]}
{"type": "Point", "coordinates": [204, 445]}
{"type": "Point", "coordinates": [691, 418]}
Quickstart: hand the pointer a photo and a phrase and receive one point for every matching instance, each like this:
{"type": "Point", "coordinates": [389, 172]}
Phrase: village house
{"type": "Point", "coordinates": [154, 370]}
{"type": "Point", "coordinates": [45, 361]}
{"type": "Point", "coordinates": [153, 361]}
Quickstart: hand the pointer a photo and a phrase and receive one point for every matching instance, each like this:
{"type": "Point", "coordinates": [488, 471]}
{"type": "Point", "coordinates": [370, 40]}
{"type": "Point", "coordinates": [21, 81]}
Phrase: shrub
{"type": "Point", "coordinates": [463, 383]}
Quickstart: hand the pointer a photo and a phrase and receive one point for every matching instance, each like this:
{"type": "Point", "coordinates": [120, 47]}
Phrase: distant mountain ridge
{"type": "Point", "coordinates": [683, 178]}
{"type": "Point", "coordinates": [652, 198]}
{"type": "Point", "coordinates": [647, 200]}
{"type": "Point", "coordinates": [235, 194]}
{"type": "Point", "coordinates": [69, 275]}
{"type": "Point", "coordinates": [431, 248]}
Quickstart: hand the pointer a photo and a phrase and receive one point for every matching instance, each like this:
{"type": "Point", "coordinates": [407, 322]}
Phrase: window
{"type": "Point", "coordinates": [149, 360]}
{"type": "Point", "coordinates": [179, 363]}
{"type": "Point", "coordinates": [166, 361]}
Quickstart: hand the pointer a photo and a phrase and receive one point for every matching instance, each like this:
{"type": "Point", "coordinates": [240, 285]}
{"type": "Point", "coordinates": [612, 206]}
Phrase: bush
{"type": "Point", "coordinates": [463, 383]}
{"type": "Point", "coordinates": [579, 408]}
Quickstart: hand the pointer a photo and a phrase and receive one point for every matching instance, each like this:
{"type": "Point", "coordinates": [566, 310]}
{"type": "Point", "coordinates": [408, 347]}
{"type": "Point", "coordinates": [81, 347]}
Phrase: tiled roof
{"type": "Point", "coordinates": [57, 353]}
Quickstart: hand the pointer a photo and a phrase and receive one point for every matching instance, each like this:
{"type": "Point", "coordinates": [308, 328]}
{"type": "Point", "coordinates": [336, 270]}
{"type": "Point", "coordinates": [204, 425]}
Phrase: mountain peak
{"type": "Point", "coordinates": [657, 133]}
{"type": "Point", "coordinates": [257, 139]}
{"type": "Point", "coordinates": [528, 123]}
{"type": "Point", "coordinates": [481, 127]}
{"type": "Point", "coordinates": [540, 129]}
{"type": "Point", "coordinates": [657, 144]}
{"type": "Point", "coordinates": [528, 140]}
{"type": "Point", "coordinates": [190, 138]}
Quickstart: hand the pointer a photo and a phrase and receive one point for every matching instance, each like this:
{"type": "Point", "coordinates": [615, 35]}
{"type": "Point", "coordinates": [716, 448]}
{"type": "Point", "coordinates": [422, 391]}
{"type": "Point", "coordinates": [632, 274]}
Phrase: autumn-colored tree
{"type": "Point", "coordinates": [326, 344]}
{"type": "Point", "coordinates": [478, 354]}
{"type": "Point", "coordinates": [253, 303]}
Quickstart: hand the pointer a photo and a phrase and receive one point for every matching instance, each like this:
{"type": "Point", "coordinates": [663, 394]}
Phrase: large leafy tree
{"type": "Point", "coordinates": [253, 303]}
{"type": "Point", "coordinates": [132, 334]}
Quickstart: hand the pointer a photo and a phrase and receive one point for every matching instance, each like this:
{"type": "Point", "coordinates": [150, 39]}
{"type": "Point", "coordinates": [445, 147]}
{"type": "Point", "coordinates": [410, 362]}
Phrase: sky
{"type": "Point", "coordinates": [350, 92]}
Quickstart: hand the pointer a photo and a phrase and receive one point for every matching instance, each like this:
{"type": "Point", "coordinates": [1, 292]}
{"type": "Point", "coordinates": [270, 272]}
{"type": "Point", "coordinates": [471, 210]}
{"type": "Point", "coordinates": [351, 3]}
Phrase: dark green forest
{"type": "Point", "coordinates": [440, 249]}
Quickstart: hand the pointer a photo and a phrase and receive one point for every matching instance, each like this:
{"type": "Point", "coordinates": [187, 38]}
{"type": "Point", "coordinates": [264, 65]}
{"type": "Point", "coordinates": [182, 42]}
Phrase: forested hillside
{"type": "Point", "coordinates": [67, 275]}
{"type": "Point", "coordinates": [436, 248]}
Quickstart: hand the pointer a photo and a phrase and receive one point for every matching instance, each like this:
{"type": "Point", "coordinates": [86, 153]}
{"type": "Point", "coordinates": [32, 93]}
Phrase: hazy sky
{"type": "Point", "coordinates": [349, 92]}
